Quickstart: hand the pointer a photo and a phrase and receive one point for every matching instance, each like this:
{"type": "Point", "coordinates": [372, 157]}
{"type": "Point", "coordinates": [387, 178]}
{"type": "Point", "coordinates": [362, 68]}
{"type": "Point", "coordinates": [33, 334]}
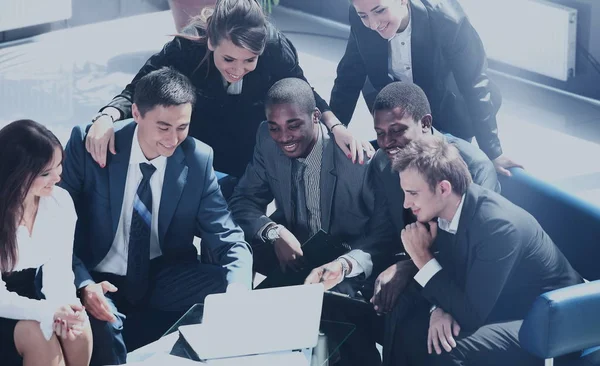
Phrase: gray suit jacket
{"type": "Point", "coordinates": [347, 200]}
{"type": "Point", "coordinates": [387, 181]}
{"type": "Point", "coordinates": [191, 205]}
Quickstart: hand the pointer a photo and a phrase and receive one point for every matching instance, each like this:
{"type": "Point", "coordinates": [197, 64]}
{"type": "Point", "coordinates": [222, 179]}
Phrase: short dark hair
{"type": "Point", "coordinates": [26, 148]}
{"type": "Point", "coordinates": [436, 160]}
{"type": "Point", "coordinates": [408, 96]}
{"type": "Point", "coordinates": [165, 87]}
{"type": "Point", "coordinates": [292, 91]}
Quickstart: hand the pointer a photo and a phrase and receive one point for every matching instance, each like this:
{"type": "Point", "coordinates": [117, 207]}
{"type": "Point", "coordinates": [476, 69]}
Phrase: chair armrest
{"type": "Point", "coordinates": [563, 321]}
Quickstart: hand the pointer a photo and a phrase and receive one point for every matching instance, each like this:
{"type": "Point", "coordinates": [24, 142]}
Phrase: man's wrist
{"type": "Point", "coordinates": [114, 113]}
{"type": "Point", "coordinates": [422, 259]}
{"type": "Point", "coordinates": [349, 262]}
{"type": "Point", "coordinates": [271, 233]}
{"type": "Point", "coordinates": [346, 266]}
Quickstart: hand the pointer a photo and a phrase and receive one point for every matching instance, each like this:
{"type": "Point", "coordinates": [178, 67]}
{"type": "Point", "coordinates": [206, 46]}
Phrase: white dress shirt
{"type": "Point", "coordinates": [400, 55]}
{"type": "Point", "coordinates": [433, 266]}
{"type": "Point", "coordinates": [116, 260]}
{"type": "Point", "coordinates": [49, 246]}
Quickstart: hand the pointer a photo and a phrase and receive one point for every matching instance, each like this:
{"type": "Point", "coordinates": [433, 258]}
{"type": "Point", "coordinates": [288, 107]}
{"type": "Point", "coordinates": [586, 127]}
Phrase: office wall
{"type": "Point", "coordinates": [587, 77]}
{"type": "Point", "coordinates": [89, 11]}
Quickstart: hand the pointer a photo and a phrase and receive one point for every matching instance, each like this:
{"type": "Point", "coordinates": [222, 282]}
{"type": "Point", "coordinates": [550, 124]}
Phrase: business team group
{"type": "Point", "coordinates": [96, 241]}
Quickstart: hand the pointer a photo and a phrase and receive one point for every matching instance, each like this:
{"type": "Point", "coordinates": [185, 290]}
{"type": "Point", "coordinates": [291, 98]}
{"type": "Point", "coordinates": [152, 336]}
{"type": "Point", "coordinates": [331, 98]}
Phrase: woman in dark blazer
{"type": "Point", "coordinates": [429, 43]}
{"type": "Point", "coordinates": [232, 56]}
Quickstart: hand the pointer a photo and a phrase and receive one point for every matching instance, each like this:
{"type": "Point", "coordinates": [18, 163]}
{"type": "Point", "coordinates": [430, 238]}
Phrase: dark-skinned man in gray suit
{"type": "Point", "coordinates": [315, 186]}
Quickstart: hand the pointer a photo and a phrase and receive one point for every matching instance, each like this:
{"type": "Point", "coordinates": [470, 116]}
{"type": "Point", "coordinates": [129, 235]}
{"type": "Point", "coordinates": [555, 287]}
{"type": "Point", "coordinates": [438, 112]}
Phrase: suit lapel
{"type": "Point", "coordinates": [454, 249]}
{"type": "Point", "coordinates": [118, 166]}
{"type": "Point", "coordinates": [173, 184]}
{"type": "Point", "coordinates": [328, 182]}
{"type": "Point", "coordinates": [421, 46]}
{"type": "Point", "coordinates": [379, 56]}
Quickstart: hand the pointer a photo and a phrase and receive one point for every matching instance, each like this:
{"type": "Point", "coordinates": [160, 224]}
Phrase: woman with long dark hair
{"type": "Point", "coordinates": [233, 56]}
{"type": "Point", "coordinates": [41, 320]}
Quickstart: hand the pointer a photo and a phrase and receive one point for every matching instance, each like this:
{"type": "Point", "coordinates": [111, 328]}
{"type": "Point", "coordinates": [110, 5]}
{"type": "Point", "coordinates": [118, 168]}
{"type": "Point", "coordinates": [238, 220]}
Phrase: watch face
{"type": "Point", "coordinates": [272, 234]}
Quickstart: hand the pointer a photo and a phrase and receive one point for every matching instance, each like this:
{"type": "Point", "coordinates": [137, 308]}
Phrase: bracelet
{"type": "Point", "coordinates": [101, 114]}
{"type": "Point", "coordinates": [335, 125]}
{"type": "Point", "coordinates": [432, 309]}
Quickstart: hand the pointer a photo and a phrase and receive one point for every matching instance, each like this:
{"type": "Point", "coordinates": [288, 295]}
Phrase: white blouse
{"type": "Point", "coordinates": [49, 246]}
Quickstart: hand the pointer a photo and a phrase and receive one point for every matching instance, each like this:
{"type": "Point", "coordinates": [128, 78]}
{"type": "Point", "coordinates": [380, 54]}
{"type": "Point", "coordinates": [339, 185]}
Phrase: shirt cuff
{"type": "Point", "coordinates": [427, 272]}
{"type": "Point", "coordinates": [356, 267]}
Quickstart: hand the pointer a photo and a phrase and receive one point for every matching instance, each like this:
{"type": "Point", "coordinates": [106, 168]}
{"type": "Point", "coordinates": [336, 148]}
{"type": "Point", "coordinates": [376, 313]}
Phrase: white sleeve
{"type": "Point", "coordinates": [58, 280]}
{"type": "Point", "coordinates": [13, 306]}
{"type": "Point", "coordinates": [427, 272]}
{"type": "Point", "coordinates": [356, 267]}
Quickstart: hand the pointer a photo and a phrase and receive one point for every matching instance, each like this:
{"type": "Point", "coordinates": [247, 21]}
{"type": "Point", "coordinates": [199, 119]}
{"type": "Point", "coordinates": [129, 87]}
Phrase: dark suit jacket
{"type": "Point", "coordinates": [498, 262]}
{"type": "Point", "coordinates": [347, 202]}
{"type": "Point", "coordinates": [449, 64]}
{"type": "Point", "coordinates": [387, 182]}
{"type": "Point", "coordinates": [227, 123]}
{"type": "Point", "coordinates": [191, 205]}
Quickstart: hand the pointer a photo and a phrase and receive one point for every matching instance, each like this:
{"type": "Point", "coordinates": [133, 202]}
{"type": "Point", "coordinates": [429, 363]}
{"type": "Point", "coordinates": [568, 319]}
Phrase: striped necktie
{"type": "Point", "coordinates": [138, 255]}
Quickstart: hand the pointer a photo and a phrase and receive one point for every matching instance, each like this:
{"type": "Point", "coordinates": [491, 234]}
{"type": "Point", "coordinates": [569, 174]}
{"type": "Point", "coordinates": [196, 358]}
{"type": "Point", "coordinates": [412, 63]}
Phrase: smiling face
{"type": "Point", "coordinates": [162, 128]}
{"type": "Point", "coordinates": [293, 129]}
{"type": "Point", "coordinates": [233, 62]}
{"type": "Point", "coordinates": [386, 17]}
{"type": "Point", "coordinates": [44, 183]}
{"type": "Point", "coordinates": [424, 203]}
{"type": "Point", "coordinates": [396, 129]}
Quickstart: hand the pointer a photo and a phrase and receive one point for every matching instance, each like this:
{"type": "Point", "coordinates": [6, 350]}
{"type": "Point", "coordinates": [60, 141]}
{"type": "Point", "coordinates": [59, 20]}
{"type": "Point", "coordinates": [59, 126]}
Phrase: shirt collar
{"type": "Point", "coordinates": [316, 151]}
{"type": "Point", "coordinates": [452, 226]}
{"type": "Point", "coordinates": [137, 156]}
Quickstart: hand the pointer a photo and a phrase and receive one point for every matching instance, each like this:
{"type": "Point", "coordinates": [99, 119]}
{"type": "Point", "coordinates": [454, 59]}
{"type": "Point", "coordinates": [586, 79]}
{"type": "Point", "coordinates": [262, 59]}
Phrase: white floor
{"type": "Point", "coordinates": [62, 78]}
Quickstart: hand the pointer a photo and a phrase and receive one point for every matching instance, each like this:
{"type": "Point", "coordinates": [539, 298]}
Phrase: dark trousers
{"type": "Point", "coordinates": [491, 344]}
{"type": "Point", "coordinates": [174, 288]}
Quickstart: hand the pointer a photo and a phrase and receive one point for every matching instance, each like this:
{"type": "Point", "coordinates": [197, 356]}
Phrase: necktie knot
{"type": "Point", "coordinates": [147, 170]}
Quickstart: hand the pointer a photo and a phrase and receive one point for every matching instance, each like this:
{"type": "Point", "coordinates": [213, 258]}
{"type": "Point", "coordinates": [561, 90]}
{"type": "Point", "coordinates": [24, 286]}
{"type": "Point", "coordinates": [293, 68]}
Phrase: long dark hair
{"type": "Point", "coordinates": [243, 22]}
{"type": "Point", "coordinates": [26, 148]}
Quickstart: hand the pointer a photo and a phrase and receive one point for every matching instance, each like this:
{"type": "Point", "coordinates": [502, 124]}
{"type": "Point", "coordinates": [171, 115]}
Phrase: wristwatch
{"type": "Point", "coordinates": [345, 266]}
{"type": "Point", "coordinates": [271, 233]}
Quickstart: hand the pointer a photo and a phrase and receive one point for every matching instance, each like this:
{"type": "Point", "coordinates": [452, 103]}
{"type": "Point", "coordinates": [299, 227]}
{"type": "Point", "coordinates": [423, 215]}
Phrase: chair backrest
{"type": "Point", "coordinates": [573, 224]}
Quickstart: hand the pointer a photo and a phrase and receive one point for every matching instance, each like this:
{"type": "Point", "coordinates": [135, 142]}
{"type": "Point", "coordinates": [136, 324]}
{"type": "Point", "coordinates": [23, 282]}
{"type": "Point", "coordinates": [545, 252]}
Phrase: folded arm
{"type": "Point", "coordinates": [496, 255]}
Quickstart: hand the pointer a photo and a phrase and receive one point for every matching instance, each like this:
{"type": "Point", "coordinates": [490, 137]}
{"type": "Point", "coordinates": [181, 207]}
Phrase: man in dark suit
{"type": "Point", "coordinates": [137, 218]}
{"type": "Point", "coordinates": [315, 186]}
{"type": "Point", "coordinates": [401, 114]}
{"type": "Point", "coordinates": [482, 261]}
{"type": "Point", "coordinates": [433, 44]}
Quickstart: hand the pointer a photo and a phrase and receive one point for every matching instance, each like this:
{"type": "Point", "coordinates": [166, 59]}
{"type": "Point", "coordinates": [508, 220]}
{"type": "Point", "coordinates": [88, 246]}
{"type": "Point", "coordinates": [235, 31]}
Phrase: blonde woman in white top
{"type": "Point", "coordinates": [41, 320]}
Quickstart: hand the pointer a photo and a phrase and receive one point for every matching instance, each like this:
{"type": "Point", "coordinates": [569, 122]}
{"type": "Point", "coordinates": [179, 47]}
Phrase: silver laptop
{"type": "Point", "coordinates": [257, 322]}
